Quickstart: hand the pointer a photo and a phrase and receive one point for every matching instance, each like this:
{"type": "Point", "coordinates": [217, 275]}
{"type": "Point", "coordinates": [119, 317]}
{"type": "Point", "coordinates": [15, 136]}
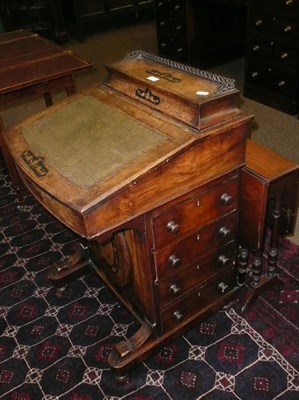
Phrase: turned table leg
{"type": "Point", "coordinates": [274, 241]}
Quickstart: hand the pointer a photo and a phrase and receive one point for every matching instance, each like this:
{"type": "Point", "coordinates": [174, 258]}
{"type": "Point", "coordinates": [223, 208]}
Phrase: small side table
{"type": "Point", "coordinates": [269, 198]}
{"type": "Point", "coordinates": [31, 65]}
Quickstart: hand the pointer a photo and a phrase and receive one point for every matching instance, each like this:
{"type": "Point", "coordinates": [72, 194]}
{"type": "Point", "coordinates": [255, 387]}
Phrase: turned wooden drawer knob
{"type": "Point", "coordinates": [223, 260]}
{"type": "Point", "coordinates": [226, 199]}
{"type": "Point", "coordinates": [173, 227]}
{"type": "Point", "coordinates": [224, 232]}
{"type": "Point", "coordinates": [222, 287]}
{"type": "Point", "coordinates": [174, 289]}
{"type": "Point", "coordinates": [174, 261]}
{"type": "Point", "coordinates": [178, 315]}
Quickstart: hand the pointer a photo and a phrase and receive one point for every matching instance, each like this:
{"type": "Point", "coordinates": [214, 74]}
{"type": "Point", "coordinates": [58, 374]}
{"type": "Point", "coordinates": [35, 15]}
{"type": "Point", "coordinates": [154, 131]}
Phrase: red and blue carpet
{"type": "Point", "coordinates": [56, 348]}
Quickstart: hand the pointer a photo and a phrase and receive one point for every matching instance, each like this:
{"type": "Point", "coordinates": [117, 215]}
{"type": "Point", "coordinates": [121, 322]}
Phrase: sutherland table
{"type": "Point", "coordinates": [146, 169]}
{"type": "Point", "coordinates": [31, 65]}
{"type": "Point", "coordinates": [269, 197]}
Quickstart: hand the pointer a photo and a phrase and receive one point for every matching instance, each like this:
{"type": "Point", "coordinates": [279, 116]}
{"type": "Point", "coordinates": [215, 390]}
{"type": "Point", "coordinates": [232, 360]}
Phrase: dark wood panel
{"type": "Point", "coordinates": [201, 33]}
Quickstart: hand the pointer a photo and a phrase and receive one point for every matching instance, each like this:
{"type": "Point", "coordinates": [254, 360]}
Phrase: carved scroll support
{"type": "Point", "coordinates": [65, 271]}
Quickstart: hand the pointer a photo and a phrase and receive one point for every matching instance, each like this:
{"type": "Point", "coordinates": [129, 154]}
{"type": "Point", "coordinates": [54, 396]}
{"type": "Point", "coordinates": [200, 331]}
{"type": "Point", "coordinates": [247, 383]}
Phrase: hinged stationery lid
{"type": "Point", "coordinates": [192, 96]}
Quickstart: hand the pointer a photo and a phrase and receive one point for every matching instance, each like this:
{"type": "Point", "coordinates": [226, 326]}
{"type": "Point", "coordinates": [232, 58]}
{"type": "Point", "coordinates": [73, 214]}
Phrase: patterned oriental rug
{"type": "Point", "coordinates": [56, 348]}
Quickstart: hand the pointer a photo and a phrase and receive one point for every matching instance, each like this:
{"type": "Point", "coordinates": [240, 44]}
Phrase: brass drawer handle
{"type": "Point", "coordinates": [256, 48]}
{"type": "Point", "coordinates": [223, 260]}
{"type": "Point", "coordinates": [284, 55]}
{"type": "Point", "coordinates": [226, 199]}
{"type": "Point", "coordinates": [224, 232]}
{"type": "Point", "coordinates": [178, 315]}
{"type": "Point", "coordinates": [174, 289]}
{"type": "Point", "coordinates": [174, 261]}
{"type": "Point", "coordinates": [254, 74]}
{"type": "Point", "coordinates": [289, 2]}
{"type": "Point", "coordinates": [259, 22]}
{"type": "Point", "coordinates": [222, 287]}
{"type": "Point", "coordinates": [281, 83]}
{"type": "Point", "coordinates": [172, 227]}
{"type": "Point", "coordinates": [288, 28]}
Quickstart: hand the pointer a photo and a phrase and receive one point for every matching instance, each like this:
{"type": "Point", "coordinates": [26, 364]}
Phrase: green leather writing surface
{"type": "Point", "coordinates": [87, 141]}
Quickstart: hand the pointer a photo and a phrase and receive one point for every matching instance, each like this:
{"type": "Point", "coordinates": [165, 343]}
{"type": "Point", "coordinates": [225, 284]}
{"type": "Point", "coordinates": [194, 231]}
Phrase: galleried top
{"type": "Point", "coordinates": [223, 84]}
{"type": "Point", "coordinates": [192, 96]}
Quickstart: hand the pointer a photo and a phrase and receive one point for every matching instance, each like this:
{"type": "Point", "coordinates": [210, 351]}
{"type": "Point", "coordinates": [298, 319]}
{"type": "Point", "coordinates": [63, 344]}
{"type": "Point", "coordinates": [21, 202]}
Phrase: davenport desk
{"type": "Point", "coordinates": [146, 169]}
{"type": "Point", "coordinates": [31, 65]}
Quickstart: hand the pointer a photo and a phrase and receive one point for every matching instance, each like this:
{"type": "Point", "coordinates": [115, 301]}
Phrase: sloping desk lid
{"type": "Point", "coordinates": [193, 96]}
{"type": "Point", "coordinates": [92, 144]}
{"type": "Point", "coordinates": [87, 141]}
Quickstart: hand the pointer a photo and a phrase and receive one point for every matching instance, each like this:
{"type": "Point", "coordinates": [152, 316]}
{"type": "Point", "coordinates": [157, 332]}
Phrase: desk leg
{"type": "Point", "coordinates": [242, 266]}
{"type": "Point", "coordinates": [261, 282]}
{"type": "Point", "coordinates": [65, 271]}
{"type": "Point", "coordinates": [70, 87]}
{"type": "Point", "coordinates": [257, 266]}
{"type": "Point", "coordinates": [14, 176]}
{"type": "Point", "coordinates": [274, 241]}
{"type": "Point", "coordinates": [48, 99]}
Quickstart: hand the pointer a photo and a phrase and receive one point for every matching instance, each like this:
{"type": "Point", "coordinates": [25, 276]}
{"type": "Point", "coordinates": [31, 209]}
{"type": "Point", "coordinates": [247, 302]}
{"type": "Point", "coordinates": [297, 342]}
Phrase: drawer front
{"type": "Point", "coordinates": [167, 27]}
{"type": "Point", "coordinates": [284, 83]}
{"type": "Point", "coordinates": [284, 7]}
{"type": "Point", "coordinates": [198, 209]}
{"type": "Point", "coordinates": [273, 26]}
{"type": "Point", "coordinates": [201, 297]}
{"type": "Point", "coordinates": [173, 287]}
{"type": "Point", "coordinates": [273, 51]}
{"type": "Point", "coordinates": [174, 48]}
{"type": "Point", "coordinates": [170, 8]}
{"type": "Point", "coordinates": [199, 244]}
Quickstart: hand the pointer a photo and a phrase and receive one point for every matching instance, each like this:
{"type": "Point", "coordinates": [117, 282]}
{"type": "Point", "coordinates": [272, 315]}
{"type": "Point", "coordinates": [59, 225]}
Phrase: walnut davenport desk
{"type": "Point", "coordinates": [31, 65]}
{"type": "Point", "coordinates": [152, 185]}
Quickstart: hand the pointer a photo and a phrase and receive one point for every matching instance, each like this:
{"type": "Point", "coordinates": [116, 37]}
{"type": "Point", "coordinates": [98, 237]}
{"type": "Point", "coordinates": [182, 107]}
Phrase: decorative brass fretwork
{"type": "Point", "coordinates": [225, 84]}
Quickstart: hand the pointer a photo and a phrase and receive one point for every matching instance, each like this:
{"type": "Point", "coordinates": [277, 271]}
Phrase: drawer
{"type": "Point", "coordinates": [284, 7]}
{"type": "Point", "coordinates": [274, 51]}
{"type": "Point", "coordinates": [198, 208]}
{"type": "Point", "coordinates": [173, 51]}
{"type": "Point", "coordinates": [181, 254]}
{"type": "Point", "coordinates": [273, 26]}
{"type": "Point", "coordinates": [203, 296]}
{"type": "Point", "coordinates": [171, 27]}
{"type": "Point", "coordinates": [282, 82]}
{"type": "Point", "coordinates": [172, 288]}
{"type": "Point", "coordinates": [170, 8]}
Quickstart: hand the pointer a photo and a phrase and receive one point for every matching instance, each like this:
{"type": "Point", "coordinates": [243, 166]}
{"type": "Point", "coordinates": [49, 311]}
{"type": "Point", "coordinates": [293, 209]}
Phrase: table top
{"type": "Point", "coordinates": [27, 59]}
{"type": "Point", "coordinates": [266, 163]}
